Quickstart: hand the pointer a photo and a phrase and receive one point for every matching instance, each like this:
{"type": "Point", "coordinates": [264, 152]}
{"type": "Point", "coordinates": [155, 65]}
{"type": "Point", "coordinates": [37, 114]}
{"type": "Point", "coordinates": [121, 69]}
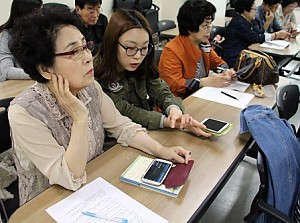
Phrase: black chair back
{"type": "Point", "coordinates": [287, 100]}
{"type": "Point", "coordinates": [8, 206]}
{"type": "Point", "coordinates": [5, 140]}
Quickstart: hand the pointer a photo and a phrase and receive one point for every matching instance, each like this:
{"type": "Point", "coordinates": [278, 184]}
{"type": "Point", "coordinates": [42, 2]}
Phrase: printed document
{"type": "Point", "coordinates": [276, 44]}
{"type": "Point", "coordinates": [224, 96]}
{"type": "Point", "coordinates": [103, 199]}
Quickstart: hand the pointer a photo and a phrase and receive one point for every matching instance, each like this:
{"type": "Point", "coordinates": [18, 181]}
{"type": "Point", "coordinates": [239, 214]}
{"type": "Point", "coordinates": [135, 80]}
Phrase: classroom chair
{"type": "Point", "coordinates": [165, 25]}
{"type": "Point", "coordinates": [7, 207]}
{"type": "Point", "coordinates": [217, 43]}
{"type": "Point", "coordinates": [278, 164]}
{"type": "Point", "coordinates": [287, 102]}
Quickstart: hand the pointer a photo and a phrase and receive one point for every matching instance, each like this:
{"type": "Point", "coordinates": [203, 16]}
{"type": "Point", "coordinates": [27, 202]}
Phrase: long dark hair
{"type": "Point", "coordinates": [106, 60]}
{"type": "Point", "coordinates": [18, 9]}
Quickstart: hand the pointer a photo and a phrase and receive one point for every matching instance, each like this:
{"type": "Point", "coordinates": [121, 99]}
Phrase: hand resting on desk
{"type": "Point", "coordinates": [178, 120]}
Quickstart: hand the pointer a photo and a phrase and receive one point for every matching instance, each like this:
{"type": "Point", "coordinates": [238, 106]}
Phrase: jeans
{"type": "Point", "coordinates": [277, 141]}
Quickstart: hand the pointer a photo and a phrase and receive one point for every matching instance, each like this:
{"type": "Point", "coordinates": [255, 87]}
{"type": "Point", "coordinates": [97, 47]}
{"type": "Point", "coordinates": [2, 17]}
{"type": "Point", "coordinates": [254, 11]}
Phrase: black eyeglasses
{"type": "Point", "coordinates": [131, 51]}
{"type": "Point", "coordinates": [78, 51]}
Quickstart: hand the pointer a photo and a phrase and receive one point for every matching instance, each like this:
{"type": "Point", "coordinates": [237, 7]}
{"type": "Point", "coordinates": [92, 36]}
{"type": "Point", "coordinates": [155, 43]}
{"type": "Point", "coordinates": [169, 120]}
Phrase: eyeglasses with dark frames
{"type": "Point", "coordinates": [78, 51]}
{"type": "Point", "coordinates": [131, 51]}
{"type": "Point", "coordinates": [96, 9]}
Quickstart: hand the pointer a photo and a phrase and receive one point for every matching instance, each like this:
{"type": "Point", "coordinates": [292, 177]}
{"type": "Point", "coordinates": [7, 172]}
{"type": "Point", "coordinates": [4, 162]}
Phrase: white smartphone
{"type": "Point", "coordinates": [157, 172]}
{"type": "Point", "coordinates": [214, 125]}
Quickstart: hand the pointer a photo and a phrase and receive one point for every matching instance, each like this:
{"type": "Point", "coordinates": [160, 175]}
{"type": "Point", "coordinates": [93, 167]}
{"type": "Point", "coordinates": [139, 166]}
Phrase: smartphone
{"type": "Point", "coordinates": [214, 125]}
{"type": "Point", "coordinates": [244, 71]}
{"type": "Point", "coordinates": [157, 172]}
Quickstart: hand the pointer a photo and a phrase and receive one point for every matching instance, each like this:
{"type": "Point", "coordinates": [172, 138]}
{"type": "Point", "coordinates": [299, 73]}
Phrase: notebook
{"type": "Point", "coordinates": [276, 44]}
{"type": "Point", "coordinates": [177, 174]}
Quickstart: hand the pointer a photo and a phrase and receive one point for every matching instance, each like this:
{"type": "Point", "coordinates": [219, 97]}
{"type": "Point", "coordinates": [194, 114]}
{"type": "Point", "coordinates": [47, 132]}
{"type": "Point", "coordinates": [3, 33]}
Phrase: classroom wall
{"type": "Point", "coordinates": [168, 8]}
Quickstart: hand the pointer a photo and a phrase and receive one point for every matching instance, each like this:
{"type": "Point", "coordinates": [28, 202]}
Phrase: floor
{"type": "Point", "coordinates": [233, 202]}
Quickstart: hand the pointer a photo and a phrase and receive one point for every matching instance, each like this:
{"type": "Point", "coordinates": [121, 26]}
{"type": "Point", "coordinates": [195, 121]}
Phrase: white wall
{"type": "Point", "coordinates": [168, 8]}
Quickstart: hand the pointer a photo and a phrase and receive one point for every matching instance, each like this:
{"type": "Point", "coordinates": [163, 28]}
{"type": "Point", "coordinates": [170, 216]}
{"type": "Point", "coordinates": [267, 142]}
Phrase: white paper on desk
{"type": "Point", "coordinates": [238, 86]}
{"type": "Point", "coordinates": [102, 198]}
{"type": "Point", "coordinates": [214, 94]}
{"type": "Point", "coordinates": [276, 44]}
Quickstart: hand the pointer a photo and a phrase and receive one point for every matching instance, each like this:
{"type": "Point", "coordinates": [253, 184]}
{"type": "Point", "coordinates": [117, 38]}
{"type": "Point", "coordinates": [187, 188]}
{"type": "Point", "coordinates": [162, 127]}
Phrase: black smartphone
{"type": "Point", "coordinates": [157, 172]}
{"type": "Point", "coordinates": [214, 125]}
{"type": "Point", "coordinates": [244, 70]}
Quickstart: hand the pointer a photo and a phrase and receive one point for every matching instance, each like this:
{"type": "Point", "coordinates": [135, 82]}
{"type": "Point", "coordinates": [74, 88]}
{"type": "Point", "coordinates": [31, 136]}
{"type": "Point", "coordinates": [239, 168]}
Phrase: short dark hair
{"type": "Point", "coordinates": [81, 3]}
{"type": "Point", "coordinates": [20, 8]}
{"type": "Point", "coordinates": [271, 2]}
{"type": "Point", "coordinates": [285, 3]}
{"type": "Point", "coordinates": [34, 37]}
{"type": "Point", "coordinates": [243, 5]}
{"type": "Point", "coordinates": [106, 60]}
{"type": "Point", "coordinates": [192, 14]}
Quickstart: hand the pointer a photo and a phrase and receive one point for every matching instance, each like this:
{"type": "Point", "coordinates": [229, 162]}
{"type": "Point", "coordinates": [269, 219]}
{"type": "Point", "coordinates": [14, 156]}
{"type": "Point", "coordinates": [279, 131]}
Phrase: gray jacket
{"type": "Point", "coordinates": [9, 67]}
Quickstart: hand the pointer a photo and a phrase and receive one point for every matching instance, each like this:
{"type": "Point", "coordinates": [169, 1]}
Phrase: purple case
{"type": "Point", "coordinates": [178, 174]}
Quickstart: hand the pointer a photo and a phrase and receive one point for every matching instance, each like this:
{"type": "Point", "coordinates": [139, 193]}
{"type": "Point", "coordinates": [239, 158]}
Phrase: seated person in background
{"type": "Point", "coordinates": [239, 34]}
{"type": "Point", "coordinates": [58, 124]}
{"type": "Point", "coordinates": [187, 59]}
{"type": "Point", "coordinates": [93, 22]}
{"type": "Point", "coordinates": [285, 13]}
{"type": "Point", "coordinates": [9, 67]}
{"type": "Point", "coordinates": [126, 70]}
{"type": "Point", "coordinates": [265, 20]}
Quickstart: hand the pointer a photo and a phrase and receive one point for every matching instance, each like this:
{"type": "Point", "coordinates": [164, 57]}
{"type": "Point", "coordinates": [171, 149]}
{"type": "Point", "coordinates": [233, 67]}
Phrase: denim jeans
{"type": "Point", "coordinates": [281, 148]}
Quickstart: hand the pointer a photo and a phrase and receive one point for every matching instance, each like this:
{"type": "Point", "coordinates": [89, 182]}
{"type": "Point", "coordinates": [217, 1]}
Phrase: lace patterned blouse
{"type": "Point", "coordinates": [41, 131]}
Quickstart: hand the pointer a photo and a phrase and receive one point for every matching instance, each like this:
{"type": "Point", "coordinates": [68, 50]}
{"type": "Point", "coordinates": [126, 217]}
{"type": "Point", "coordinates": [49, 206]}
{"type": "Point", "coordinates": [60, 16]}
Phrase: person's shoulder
{"type": "Point", "coordinates": [5, 34]}
{"type": "Point", "coordinates": [102, 20]}
{"type": "Point", "coordinates": [176, 42]}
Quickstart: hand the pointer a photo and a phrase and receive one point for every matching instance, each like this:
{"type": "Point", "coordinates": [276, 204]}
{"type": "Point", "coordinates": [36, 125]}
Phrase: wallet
{"type": "Point", "coordinates": [178, 174]}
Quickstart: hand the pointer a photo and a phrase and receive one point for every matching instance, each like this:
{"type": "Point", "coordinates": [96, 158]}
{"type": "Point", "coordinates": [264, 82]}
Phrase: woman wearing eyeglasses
{"type": "Point", "coordinates": [187, 60]}
{"type": "Point", "coordinates": [58, 124]}
{"type": "Point", "coordinates": [126, 70]}
{"type": "Point", "coordinates": [285, 13]}
{"type": "Point", "coordinates": [240, 33]}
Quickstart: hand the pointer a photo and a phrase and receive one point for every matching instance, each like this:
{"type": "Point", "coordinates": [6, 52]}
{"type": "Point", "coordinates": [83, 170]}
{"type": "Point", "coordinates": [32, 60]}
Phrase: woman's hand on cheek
{"type": "Point", "coordinates": [73, 106]}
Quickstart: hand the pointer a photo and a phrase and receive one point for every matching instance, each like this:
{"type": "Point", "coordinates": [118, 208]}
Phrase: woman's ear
{"type": "Point", "coordinates": [46, 72]}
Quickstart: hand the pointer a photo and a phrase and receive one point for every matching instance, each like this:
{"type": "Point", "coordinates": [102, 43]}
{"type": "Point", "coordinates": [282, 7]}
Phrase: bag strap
{"type": "Point", "coordinates": [256, 65]}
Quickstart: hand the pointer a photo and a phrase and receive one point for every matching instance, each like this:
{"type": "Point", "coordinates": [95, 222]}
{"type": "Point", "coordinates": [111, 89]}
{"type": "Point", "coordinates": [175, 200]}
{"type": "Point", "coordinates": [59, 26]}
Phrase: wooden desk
{"type": "Point", "coordinates": [215, 160]}
{"type": "Point", "coordinates": [289, 51]}
{"type": "Point", "coordinates": [12, 88]}
{"type": "Point", "coordinates": [219, 21]}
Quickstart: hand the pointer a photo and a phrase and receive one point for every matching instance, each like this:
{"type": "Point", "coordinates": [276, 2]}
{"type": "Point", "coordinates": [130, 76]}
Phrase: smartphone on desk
{"type": "Point", "coordinates": [214, 125]}
{"type": "Point", "coordinates": [157, 172]}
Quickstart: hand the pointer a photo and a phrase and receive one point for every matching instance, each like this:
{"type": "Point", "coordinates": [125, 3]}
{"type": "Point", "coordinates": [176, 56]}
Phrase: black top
{"type": "Point", "coordinates": [239, 34]}
{"type": "Point", "coordinates": [95, 32]}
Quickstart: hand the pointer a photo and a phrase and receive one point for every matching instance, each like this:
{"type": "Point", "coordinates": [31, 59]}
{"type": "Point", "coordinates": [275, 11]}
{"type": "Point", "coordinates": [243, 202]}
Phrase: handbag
{"type": "Point", "coordinates": [263, 70]}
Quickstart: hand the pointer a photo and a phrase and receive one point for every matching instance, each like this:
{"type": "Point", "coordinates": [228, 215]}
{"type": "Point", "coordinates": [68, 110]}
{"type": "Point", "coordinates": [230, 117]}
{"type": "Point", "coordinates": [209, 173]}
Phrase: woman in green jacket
{"type": "Point", "coordinates": [126, 70]}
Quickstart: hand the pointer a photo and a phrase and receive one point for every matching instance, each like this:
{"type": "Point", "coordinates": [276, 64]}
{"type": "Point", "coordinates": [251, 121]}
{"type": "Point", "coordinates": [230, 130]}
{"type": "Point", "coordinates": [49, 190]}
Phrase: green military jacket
{"type": "Point", "coordinates": [136, 98]}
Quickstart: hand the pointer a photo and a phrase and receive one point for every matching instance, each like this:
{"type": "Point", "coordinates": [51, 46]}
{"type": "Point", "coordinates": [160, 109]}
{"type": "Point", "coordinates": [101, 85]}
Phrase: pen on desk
{"type": "Point", "coordinates": [222, 92]}
{"type": "Point", "coordinates": [113, 219]}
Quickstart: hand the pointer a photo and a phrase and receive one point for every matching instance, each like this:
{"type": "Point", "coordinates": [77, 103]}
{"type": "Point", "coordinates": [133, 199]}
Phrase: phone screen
{"type": "Point", "coordinates": [157, 171]}
{"type": "Point", "coordinates": [214, 125]}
